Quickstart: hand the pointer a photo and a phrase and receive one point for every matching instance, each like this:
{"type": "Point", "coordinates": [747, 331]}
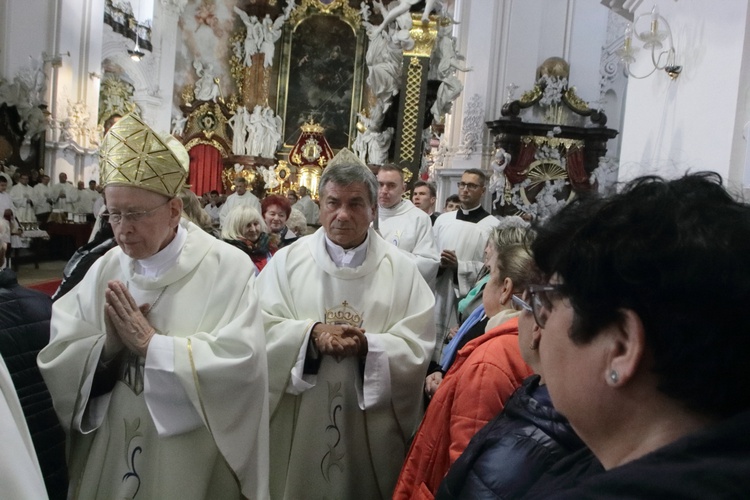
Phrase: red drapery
{"type": "Point", "coordinates": [205, 169]}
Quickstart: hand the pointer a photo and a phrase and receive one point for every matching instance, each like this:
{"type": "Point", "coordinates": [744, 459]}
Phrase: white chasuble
{"type": "Point", "coordinates": [346, 435]}
{"type": "Point", "coordinates": [193, 429]}
{"type": "Point", "coordinates": [20, 475]}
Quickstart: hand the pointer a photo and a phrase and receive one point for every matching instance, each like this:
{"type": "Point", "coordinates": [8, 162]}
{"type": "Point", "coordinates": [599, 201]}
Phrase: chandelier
{"type": "Point", "coordinates": [653, 39]}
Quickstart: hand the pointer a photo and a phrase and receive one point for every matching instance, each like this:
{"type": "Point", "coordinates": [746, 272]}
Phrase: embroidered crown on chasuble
{"type": "Point", "coordinates": [132, 154]}
{"type": "Point", "coordinates": [343, 315]}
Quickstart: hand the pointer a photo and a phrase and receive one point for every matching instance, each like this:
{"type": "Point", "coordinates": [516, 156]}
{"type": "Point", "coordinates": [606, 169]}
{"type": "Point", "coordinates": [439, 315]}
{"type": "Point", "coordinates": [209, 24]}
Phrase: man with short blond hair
{"type": "Point", "coordinates": [404, 225]}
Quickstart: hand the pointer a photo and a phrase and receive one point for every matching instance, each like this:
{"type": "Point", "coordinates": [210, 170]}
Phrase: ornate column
{"type": "Point", "coordinates": [413, 96]}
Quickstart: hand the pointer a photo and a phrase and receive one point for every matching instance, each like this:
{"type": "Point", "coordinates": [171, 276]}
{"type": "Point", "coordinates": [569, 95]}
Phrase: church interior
{"type": "Point", "coordinates": [550, 98]}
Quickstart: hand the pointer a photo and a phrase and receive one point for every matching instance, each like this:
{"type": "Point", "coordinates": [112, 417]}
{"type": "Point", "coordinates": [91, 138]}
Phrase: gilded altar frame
{"type": "Point", "coordinates": [344, 99]}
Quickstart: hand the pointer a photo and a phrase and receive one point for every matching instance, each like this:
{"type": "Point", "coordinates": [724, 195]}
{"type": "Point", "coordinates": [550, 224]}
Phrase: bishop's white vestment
{"type": "Point", "coordinates": [410, 229]}
{"type": "Point", "coordinates": [190, 421]}
{"type": "Point", "coordinates": [20, 475]}
{"type": "Point", "coordinates": [343, 432]}
{"type": "Point", "coordinates": [468, 240]}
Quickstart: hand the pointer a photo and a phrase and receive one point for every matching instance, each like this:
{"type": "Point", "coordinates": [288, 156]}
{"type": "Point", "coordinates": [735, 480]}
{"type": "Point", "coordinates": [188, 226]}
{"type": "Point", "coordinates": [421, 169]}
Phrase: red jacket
{"type": "Point", "coordinates": [487, 370]}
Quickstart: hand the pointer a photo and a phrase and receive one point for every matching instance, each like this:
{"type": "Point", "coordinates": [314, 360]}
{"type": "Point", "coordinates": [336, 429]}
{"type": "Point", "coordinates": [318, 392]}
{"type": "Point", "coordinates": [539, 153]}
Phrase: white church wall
{"type": "Point", "coordinates": [690, 123]}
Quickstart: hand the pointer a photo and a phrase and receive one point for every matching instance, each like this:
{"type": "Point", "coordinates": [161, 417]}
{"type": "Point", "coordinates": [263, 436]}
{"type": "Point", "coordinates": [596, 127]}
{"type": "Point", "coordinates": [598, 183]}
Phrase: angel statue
{"type": "Point", "coordinates": [271, 34]}
{"type": "Point", "coordinates": [403, 7]}
{"type": "Point", "coordinates": [207, 86]}
{"type": "Point", "coordinates": [498, 180]}
{"type": "Point", "coordinates": [253, 35]}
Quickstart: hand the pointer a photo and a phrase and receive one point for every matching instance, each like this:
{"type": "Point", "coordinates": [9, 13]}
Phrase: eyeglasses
{"type": "Point", "coordinates": [541, 301]}
{"type": "Point", "coordinates": [521, 303]}
{"type": "Point", "coordinates": [468, 185]}
{"type": "Point", "coordinates": [131, 216]}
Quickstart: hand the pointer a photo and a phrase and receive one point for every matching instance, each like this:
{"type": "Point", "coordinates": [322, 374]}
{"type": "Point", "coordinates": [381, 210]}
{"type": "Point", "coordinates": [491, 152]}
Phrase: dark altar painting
{"type": "Point", "coordinates": [322, 79]}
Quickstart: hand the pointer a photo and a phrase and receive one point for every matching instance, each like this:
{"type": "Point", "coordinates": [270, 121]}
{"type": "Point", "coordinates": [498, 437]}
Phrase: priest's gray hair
{"type": "Point", "coordinates": [346, 174]}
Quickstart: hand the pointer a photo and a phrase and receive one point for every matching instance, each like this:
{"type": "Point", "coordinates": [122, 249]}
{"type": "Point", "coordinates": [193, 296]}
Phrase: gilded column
{"type": "Point", "coordinates": [413, 95]}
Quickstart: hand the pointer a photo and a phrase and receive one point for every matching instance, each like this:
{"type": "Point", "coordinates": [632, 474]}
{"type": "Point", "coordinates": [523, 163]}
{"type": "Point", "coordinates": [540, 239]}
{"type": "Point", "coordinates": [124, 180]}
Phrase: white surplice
{"type": "Point", "coordinates": [468, 240]}
{"type": "Point", "coordinates": [66, 204]}
{"type": "Point", "coordinates": [234, 200]}
{"type": "Point", "coordinates": [190, 421]}
{"type": "Point", "coordinates": [410, 229]}
{"type": "Point", "coordinates": [343, 432]}
{"type": "Point", "coordinates": [23, 199]}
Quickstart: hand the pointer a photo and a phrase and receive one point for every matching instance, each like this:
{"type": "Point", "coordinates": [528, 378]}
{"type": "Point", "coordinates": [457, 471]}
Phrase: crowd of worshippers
{"type": "Point", "coordinates": [393, 352]}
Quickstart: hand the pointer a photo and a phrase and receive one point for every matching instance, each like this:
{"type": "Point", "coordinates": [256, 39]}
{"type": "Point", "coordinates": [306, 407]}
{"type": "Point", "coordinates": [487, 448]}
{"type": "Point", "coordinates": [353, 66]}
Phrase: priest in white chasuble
{"type": "Point", "coordinates": [350, 331]}
{"type": "Point", "coordinates": [157, 363]}
{"type": "Point", "coordinates": [461, 237]}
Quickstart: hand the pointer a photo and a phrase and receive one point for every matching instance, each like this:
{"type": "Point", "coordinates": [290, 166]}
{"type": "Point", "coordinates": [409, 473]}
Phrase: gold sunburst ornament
{"type": "Point", "coordinates": [132, 154]}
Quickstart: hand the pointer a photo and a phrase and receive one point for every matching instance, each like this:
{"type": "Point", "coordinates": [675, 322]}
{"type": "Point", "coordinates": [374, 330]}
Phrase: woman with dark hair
{"type": "Point", "coordinates": [276, 210]}
{"type": "Point", "coordinates": [245, 229]}
{"type": "Point", "coordinates": [645, 340]}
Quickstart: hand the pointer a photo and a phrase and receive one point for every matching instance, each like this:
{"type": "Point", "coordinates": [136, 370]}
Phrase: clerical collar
{"type": "Point", "coordinates": [392, 209]}
{"type": "Point", "coordinates": [352, 257]}
{"type": "Point", "coordinates": [472, 215]}
{"type": "Point", "coordinates": [157, 264]}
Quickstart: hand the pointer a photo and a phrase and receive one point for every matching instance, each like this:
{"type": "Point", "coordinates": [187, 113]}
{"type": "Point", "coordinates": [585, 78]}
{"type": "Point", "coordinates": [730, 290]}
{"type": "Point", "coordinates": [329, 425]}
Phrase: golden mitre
{"type": "Point", "coordinates": [132, 154]}
{"type": "Point", "coordinates": [346, 157]}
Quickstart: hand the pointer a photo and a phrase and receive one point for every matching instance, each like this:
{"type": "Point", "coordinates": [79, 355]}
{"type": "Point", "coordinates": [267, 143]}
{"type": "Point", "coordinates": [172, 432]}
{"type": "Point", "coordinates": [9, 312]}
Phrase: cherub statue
{"type": "Point", "coordinates": [498, 180]}
{"type": "Point", "coordinates": [178, 125]}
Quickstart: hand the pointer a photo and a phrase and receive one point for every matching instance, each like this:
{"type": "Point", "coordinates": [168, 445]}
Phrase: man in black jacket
{"type": "Point", "coordinates": [24, 331]}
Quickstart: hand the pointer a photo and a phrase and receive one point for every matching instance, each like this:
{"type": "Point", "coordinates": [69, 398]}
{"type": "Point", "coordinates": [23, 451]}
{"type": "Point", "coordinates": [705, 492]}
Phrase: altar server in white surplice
{"type": "Point", "coordinates": [64, 194]}
{"type": "Point", "coordinates": [349, 332]}
{"type": "Point", "coordinates": [241, 196]}
{"type": "Point", "coordinates": [156, 363]}
{"type": "Point", "coordinates": [23, 199]}
{"type": "Point", "coordinates": [404, 225]}
{"type": "Point", "coordinates": [460, 236]}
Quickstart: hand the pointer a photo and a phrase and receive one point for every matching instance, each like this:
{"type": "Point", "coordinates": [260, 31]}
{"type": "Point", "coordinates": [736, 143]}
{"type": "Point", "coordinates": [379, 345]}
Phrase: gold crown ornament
{"type": "Point", "coordinates": [132, 154]}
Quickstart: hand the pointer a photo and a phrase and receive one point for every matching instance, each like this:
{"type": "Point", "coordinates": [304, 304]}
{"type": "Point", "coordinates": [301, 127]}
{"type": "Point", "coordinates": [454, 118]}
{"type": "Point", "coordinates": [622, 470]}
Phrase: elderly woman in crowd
{"type": "Point", "coordinates": [276, 210]}
{"type": "Point", "coordinates": [645, 340]}
{"type": "Point", "coordinates": [245, 229]}
{"type": "Point", "coordinates": [507, 456]}
{"type": "Point", "coordinates": [297, 223]}
{"type": "Point", "coordinates": [483, 375]}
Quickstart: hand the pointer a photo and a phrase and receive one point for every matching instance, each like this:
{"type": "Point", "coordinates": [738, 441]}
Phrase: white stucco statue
{"type": "Point", "coordinates": [271, 34]}
{"type": "Point", "coordinates": [253, 35]}
{"type": "Point", "coordinates": [237, 123]}
{"type": "Point", "coordinates": [207, 86]}
{"type": "Point", "coordinates": [498, 180]}
{"type": "Point", "coordinates": [403, 7]}
{"type": "Point", "coordinates": [178, 125]}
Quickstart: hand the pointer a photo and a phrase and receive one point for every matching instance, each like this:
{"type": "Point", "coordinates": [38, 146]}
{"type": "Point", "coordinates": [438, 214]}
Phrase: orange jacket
{"type": "Point", "coordinates": [487, 370]}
